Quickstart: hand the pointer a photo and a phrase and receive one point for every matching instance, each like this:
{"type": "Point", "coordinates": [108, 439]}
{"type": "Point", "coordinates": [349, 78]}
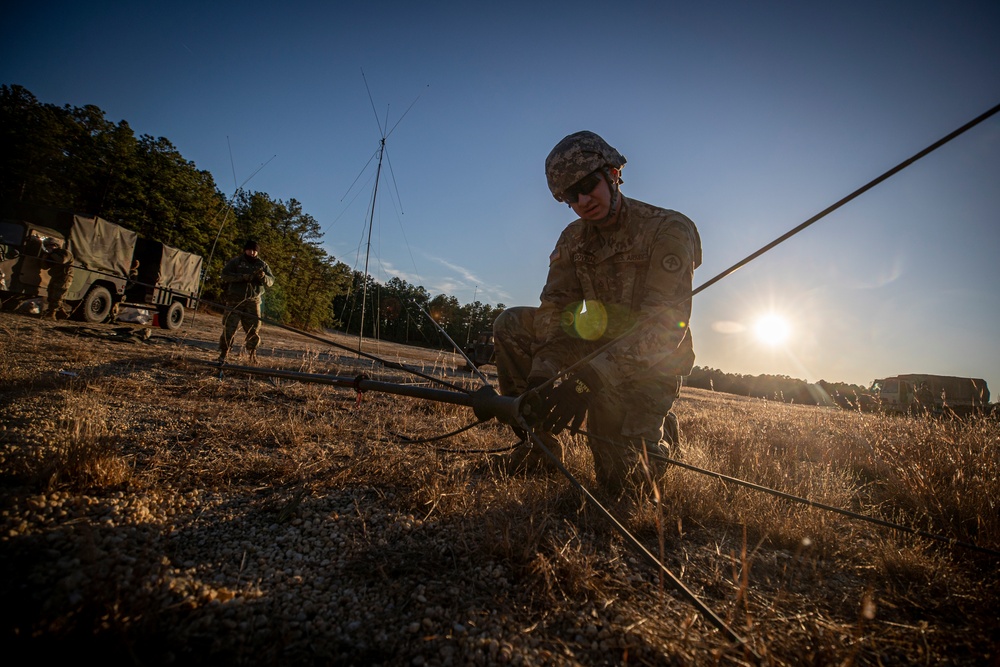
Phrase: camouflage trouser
{"type": "Point", "coordinates": [55, 304]}
{"type": "Point", "coordinates": [247, 314]}
{"type": "Point", "coordinates": [622, 420]}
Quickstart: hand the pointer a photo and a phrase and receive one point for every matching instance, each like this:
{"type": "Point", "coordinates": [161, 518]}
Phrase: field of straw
{"type": "Point", "coordinates": [155, 512]}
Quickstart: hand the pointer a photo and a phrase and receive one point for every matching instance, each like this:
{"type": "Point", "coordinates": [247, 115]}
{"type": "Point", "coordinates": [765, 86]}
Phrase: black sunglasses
{"type": "Point", "coordinates": [584, 186]}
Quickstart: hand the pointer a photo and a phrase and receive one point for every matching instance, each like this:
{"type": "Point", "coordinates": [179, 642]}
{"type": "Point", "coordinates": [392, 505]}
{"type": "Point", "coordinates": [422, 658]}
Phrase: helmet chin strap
{"type": "Point", "coordinates": [615, 198]}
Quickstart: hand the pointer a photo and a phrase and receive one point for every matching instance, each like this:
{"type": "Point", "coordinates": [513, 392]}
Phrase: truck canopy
{"type": "Point", "coordinates": [957, 390]}
{"type": "Point", "coordinates": [168, 269]}
{"type": "Point", "coordinates": [100, 245]}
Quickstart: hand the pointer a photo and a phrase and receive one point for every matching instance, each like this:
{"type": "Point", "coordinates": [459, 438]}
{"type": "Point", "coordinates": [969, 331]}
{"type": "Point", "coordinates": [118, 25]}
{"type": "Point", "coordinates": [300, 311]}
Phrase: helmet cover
{"type": "Point", "coordinates": [576, 156]}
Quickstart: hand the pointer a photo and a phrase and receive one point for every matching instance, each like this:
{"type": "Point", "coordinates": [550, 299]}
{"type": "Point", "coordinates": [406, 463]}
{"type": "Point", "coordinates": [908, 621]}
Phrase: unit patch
{"type": "Point", "coordinates": [671, 263]}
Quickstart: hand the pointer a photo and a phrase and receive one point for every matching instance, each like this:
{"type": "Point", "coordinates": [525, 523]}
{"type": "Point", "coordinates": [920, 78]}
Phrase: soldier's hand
{"type": "Point", "coordinates": [532, 405]}
{"type": "Point", "coordinates": [258, 277]}
{"type": "Point", "coordinates": [567, 404]}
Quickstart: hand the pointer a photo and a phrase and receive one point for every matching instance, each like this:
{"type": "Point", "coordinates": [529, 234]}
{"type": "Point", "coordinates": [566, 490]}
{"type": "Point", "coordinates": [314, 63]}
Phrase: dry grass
{"type": "Point", "coordinates": [161, 444]}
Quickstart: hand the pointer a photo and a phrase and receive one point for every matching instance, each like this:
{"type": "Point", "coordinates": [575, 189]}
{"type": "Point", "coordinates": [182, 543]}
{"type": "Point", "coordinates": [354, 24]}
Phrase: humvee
{"type": "Point", "coordinates": [481, 351]}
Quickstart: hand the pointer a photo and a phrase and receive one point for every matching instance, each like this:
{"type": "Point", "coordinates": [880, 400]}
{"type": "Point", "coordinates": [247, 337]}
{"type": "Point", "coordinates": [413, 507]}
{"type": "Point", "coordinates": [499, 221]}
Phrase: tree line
{"type": "Point", "coordinates": [778, 388]}
{"type": "Point", "coordinates": [74, 158]}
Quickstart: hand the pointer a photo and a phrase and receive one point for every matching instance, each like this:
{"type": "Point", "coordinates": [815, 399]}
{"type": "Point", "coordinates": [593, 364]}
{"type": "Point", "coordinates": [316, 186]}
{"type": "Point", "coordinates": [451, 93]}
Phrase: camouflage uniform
{"type": "Point", "coordinates": [60, 265]}
{"type": "Point", "coordinates": [246, 279]}
{"type": "Point", "coordinates": [6, 252]}
{"type": "Point", "coordinates": [602, 281]}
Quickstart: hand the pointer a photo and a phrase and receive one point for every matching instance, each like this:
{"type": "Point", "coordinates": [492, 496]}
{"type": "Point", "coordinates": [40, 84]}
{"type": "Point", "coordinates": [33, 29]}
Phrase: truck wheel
{"type": "Point", "coordinates": [96, 306]}
{"type": "Point", "coordinates": [172, 316]}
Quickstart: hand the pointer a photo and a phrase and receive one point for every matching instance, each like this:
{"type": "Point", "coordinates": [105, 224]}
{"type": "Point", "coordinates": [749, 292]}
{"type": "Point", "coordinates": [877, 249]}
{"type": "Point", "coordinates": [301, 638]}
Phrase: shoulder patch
{"type": "Point", "coordinates": [671, 263]}
{"type": "Point", "coordinates": [556, 254]}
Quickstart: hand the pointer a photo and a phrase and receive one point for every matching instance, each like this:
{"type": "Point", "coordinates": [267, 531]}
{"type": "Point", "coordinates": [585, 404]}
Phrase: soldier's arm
{"type": "Point", "coordinates": [562, 289]}
{"type": "Point", "coordinates": [268, 276]}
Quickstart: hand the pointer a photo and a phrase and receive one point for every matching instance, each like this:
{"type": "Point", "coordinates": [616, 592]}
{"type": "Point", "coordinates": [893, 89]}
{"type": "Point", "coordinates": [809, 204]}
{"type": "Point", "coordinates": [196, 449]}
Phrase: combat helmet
{"type": "Point", "coordinates": [576, 156]}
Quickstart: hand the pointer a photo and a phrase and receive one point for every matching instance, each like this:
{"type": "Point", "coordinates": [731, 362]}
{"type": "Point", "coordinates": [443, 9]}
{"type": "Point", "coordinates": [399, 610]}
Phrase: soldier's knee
{"type": "Point", "coordinates": [502, 324]}
{"type": "Point", "coordinates": [513, 320]}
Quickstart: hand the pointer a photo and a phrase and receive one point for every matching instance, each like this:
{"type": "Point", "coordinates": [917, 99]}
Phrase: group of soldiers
{"type": "Point", "coordinates": [58, 260]}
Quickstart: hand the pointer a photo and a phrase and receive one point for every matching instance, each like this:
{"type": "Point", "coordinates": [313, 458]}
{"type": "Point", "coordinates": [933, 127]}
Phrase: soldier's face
{"type": "Point", "coordinates": [250, 253]}
{"type": "Point", "coordinates": [594, 205]}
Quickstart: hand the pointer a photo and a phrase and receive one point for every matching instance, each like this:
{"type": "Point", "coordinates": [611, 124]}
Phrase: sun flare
{"type": "Point", "coordinates": [772, 329]}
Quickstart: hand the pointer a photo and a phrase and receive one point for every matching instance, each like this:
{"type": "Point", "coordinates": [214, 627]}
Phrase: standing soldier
{"type": "Point", "coordinates": [621, 263]}
{"type": "Point", "coordinates": [246, 277]}
{"type": "Point", "coordinates": [60, 264]}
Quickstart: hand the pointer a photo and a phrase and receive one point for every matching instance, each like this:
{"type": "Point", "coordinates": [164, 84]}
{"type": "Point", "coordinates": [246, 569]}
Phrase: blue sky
{"type": "Point", "coordinates": [747, 117]}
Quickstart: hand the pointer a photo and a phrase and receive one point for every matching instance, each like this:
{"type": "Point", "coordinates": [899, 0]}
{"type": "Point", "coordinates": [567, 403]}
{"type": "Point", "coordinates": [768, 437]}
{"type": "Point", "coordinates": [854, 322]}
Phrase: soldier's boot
{"type": "Point", "coordinates": [529, 458]}
{"type": "Point", "coordinates": [672, 435]}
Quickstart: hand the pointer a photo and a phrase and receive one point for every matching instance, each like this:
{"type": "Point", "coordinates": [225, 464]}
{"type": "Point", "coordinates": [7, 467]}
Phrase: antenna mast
{"type": "Point", "coordinates": [368, 248]}
{"type": "Point", "coordinates": [385, 131]}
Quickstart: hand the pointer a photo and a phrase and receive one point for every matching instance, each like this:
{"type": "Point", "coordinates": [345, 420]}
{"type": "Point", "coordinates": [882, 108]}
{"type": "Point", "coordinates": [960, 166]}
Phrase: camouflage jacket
{"type": "Point", "coordinates": [238, 276]}
{"type": "Point", "coordinates": [602, 282]}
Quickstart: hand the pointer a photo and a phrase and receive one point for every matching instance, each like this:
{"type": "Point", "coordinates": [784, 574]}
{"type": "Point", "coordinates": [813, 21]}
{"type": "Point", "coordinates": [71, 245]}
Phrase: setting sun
{"type": "Point", "coordinates": [772, 329]}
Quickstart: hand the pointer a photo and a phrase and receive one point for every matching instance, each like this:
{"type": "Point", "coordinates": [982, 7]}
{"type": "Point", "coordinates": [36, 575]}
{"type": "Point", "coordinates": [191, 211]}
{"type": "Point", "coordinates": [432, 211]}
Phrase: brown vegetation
{"type": "Point", "coordinates": [156, 513]}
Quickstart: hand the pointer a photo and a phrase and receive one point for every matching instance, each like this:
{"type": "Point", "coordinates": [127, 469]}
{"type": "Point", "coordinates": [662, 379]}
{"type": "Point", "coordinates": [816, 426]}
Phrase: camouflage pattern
{"type": "Point", "coordinates": [576, 156]}
{"type": "Point", "coordinates": [246, 314]}
{"type": "Point", "coordinates": [603, 282]}
{"type": "Point", "coordinates": [60, 265]}
{"type": "Point", "coordinates": [238, 277]}
{"type": "Point", "coordinates": [246, 279]}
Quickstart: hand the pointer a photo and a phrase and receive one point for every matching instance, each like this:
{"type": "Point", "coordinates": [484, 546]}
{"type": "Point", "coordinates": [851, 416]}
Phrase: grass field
{"type": "Point", "coordinates": [155, 512]}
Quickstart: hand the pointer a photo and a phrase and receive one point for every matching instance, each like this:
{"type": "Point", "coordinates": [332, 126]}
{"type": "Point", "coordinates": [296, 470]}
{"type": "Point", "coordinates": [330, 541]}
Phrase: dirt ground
{"type": "Point", "coordinates": [157, 511]}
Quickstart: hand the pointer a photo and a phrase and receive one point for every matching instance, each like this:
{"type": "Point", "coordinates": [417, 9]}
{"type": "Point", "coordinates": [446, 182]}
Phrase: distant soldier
{"type": "Point", "coordinates": [60, 265]}
{"type": "Point", "coordinates": [246, 278]}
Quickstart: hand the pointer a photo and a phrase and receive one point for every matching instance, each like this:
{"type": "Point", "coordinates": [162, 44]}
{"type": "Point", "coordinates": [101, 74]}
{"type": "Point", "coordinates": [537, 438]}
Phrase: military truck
{"type": "Point", "coordinates": [103, 254]}
{"type": "Point", "coordinates": [914, 393]}
{"type": "Point", "coordinates": [481, 351]}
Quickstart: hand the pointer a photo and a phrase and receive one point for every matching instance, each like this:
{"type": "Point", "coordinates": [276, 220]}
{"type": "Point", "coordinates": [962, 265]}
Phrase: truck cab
{"type": "Point", "coordinates": [24, 267]}
{"type": "Point", "coordinates": [894, 394]}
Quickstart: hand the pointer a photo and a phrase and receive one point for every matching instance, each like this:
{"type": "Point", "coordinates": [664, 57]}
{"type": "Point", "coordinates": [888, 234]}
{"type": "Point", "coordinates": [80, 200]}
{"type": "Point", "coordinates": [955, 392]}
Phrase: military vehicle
{"type": "Point", "coordinates": [913, 393]}
{"type": "Point", "coordinates": [481, 351]}
{"type": "Point", "coordinates": [103, 254]}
